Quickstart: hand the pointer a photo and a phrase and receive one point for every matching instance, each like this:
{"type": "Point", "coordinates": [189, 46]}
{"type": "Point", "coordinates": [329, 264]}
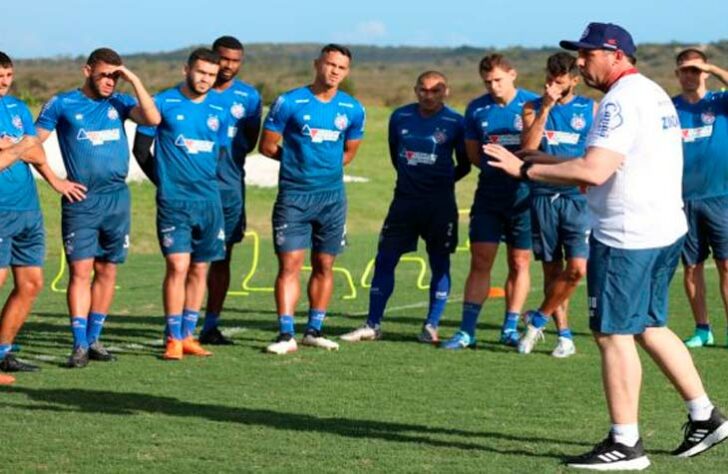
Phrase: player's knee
{"type": "Point", "coordinates": [574, 273]}
{"type": "Point", "coordinates": [30, 286]}
{"type": "Point", "coordinates": [519, 263]}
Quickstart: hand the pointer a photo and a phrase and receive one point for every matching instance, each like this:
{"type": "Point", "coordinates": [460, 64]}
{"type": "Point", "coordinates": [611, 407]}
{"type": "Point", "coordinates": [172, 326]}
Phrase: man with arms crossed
{"type": "Point", "coordinates": [422, 139]}
{"type": "Point", "coordinates": [314, 131]}
{"type": "Point", "coordinates": [90, 125]}
{"type": "Point", "coordinates": [501, 204]}
{"type": "Point", "coordinates": [244, 105]}
{"type": "Point", "coordinates": [557, 124]}
{"type": "Point", "coordinates": [190, 225]}
{"type": "Point", "coordinates": [704, 121]}
{"type": "Point", "coordinates": [633, 165]}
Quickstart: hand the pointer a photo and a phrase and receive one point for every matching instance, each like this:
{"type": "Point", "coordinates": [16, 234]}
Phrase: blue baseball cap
{"type": "Point", "coordinates": [606, 36]}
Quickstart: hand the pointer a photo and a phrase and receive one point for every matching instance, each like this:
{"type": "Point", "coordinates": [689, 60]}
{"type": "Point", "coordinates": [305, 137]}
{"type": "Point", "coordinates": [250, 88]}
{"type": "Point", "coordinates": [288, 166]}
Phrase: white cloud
{"type": "Point", "coordinates": [372, 29]}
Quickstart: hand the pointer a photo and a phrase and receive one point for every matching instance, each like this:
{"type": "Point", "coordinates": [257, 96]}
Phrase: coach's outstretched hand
{"type": "Point", "coordinates": [503, 159]}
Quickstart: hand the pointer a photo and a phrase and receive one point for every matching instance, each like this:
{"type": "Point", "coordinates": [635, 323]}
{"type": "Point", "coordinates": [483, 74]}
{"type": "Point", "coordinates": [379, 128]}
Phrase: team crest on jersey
{"type": "Point", "coordinates": [439, 136]}
{"type": "Point", "coordinates": [237, 110]}
{"type": "Point", "coordinates": [213, 123]}
{"type": "Point", "coordinates": [578, 122]}
{"type": "Point", "coordinates": [112, 113]}
{"type": "Point", "coordinates": [518, 123]}
{"type": "Point", "coordinates": [708, 117]}
{"type": "Point", "coordinates": [17, 122]}
{"type": "Point", "coordinates": [341, 121]}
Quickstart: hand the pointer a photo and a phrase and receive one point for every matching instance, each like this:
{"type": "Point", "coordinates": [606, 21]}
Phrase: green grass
{"type": "Point", "coordinates": [394, 405]}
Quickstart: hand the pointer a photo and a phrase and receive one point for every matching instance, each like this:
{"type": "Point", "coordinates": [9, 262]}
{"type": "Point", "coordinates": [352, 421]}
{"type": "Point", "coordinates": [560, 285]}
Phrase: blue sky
{"type": "Point", "coordinates": [71, 27]}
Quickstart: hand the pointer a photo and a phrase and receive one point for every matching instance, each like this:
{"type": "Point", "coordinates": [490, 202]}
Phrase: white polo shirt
{"type": "Point", "coordinates": [640, 205]}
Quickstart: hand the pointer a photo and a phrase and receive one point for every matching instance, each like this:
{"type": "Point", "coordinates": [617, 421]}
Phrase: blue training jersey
{"type": "Point", "coordinates": [423, 147]}
{"type": "Point", "coordinates": [91, 136]}
{"type": "Point", "coordinates": [488, 122]}
{"type": "Point", "coordinates": [314, 133]}
{"type": "Point", "coordinates": [244, 105]}
{"type": "Point", "coordinates": [564, 136]}
{"type": "Point", "coordinates": [17, 186]}
{"type": "Point", "coordinates": [187, 145]}
{"type": "Point", "coordinates": [705, 145]}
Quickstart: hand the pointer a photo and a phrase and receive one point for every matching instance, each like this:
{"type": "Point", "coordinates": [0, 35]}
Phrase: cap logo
{"type": "Point", "coordinates": [584, 34]}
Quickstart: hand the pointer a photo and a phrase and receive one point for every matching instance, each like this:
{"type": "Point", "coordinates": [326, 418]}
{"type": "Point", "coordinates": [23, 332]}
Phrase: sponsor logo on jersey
{"type": "Point", "coordinates": [518, 123]}
{"type": "Point", "coordinates": [237, 110]}
{"type": "Point", "coordinates": [79, 116]}
{"type": "Point", "coordinates": [341, 121]}
{"type": "Point", "coordinates": [193, 146]}
{"type": "Point", "coordinates": [505, 140]}
{"type": "Point", "coordinates": [112, 113]}
{"type": "Point", "coordinates": [320, 135]}
{"type": "Point", "coordinates": [99, 137]}
{"type": "Point", "coordinates": [610, 118]}
{"type": "Point", "coordinates": [17, 122]}
{"type": "Point", "coordinates": [213, 123]}
{"type": "Point", "coordinates": [691, 134]}
{"type": "Point", "coordinates": [578, 122]}
{"type": "Point", "coordinates": [554, 137]}
{"type": "Point", "coordinates": [415, 158]}
{"type": "Point", "coordinates": [708, 117]}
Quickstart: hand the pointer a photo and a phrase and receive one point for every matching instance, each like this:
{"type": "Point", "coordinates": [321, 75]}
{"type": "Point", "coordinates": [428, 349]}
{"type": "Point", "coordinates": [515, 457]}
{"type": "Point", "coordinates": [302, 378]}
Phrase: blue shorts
{"type": "Point", "coordinates": [194, 227]}
{"type": "Point", "coordinates": [233, 211]}
{"type": "Point", "coordinates": [97, 227]}
{"type": "Point", "coordinates": [707, 229]}
{"type": "Point", "coordinates": [434, 219]}
{"type": "Point", "coordinates": [559, 226]}
{"type": "Point", "coordinates": [511, 224]}
{"type": "Point", "coordinates": [629, 289]}
{"type": "Point", "coordinates": [22, 239]}
{"type": "Point", "coordinates": [316, 221]}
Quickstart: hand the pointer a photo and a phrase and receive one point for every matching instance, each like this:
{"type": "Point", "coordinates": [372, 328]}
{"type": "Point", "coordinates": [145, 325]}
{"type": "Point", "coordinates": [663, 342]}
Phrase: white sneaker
{"type": "Point", "coordinates": [315, 339]}
{"type": "Point", "coordinates": [529, 339]}
{"type": "Point", "coordinates": [364, 333]}
{"type": "Point", "coordinates": [565, 348]}
{"type": "Point", "coordinates": [285, 344]}
{"type": "Point", "coordinates": [429, 335]}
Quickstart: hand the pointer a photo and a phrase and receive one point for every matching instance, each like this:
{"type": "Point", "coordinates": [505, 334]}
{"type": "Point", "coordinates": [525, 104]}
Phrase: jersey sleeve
{"type": "Point", "coordinates": [615, 126]}
{"type": "Point", "coordinates": [127, 103]}
{"type": "Point", "coordinates": [150, 130]}
{"type": "Point", "coordinates": [27, 118]}
{"type": "Point", "coordinates": [278, 115]}
{"type": "Point", "coordinates": [49, 114]}
{"type": "Point", "coordinates": [356, 127]}
{"type": "Point", "coordinates": [471, 131]}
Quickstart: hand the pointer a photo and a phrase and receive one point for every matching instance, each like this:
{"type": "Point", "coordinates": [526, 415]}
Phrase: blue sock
{"type": "Point", "coordinates": [174, 326]}
{"type": "Point", "coordinates": [510, 321]}
{"type": "Point", "coordinates": [703, 327]}
{"type": "Point", "coordinates": [4, 350]}
{"type": "Point", "coordinates": [539, 320]}
{"type": "Point", "coordinates": [471, 311]}
{"type": "Point", "coordinates": [315, 319]}
{"type": "Point", "coordinates": [382, 285]}
{"type": "Point", "coordinates": [439, 287]}
{"type": "Point", "coordinates": [285, 325]}
{"type": "Point", "coordinates": [95, 325]}
{"type": "Point", "coordinates": [78, 328]}
{"type": "Point", "coordinates": [189, 322]}
{"type": "Point", "coordinates": [566, 333]}
{"type": "Point", "coordinates": [210, 321]}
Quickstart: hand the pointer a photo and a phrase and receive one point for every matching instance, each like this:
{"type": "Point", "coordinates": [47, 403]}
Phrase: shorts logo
{"type": "Point", "coordinates": [167, 241]}
{"type": "Point", "coordinates": [17, 122]}
{"type": "Point", "coordinates": [320, 135]}
{"type": "Point", "coordinates": [112, 113]}
{"type": "Point", "coordinates": [126, 241]}
{"type": "Point", "coordinates": [213, 123]}
{"type": "Point", "coordinates": [708, 117]}
{"type": "Point", "coordinates": [518, 123]}
{"type": "Point", "coordinates": [341, 121]}
{"type": "Point", "coordinates": [99, 137]}
{"type": "Point", "coordinates": [221, 234]}
{"type": "Point", "coordinates": [193, 146]}
{"type": "Point", "coordinates": [237, 110]}
{"type": "Point", "coordinates": [68, 244]}
{"type": "Point", "coordinates": [578, 122]}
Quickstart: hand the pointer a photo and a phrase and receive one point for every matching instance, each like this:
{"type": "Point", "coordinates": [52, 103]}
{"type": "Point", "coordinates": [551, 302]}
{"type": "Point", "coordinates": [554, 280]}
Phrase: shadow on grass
{"type": "Point", "coordinates": [129, 404]}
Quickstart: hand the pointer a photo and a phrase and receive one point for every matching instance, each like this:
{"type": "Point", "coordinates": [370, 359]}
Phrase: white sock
{"type": "Point", "coordinates": [699, 408]}
{"type": "Point", "coordinates": [627, 435]}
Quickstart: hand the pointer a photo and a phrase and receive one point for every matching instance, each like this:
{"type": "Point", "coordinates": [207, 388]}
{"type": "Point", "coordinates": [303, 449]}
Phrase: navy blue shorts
{"type": "Point", "coordinates": [560, 226]}
{"type": "Point", "coordinates": [233, 211]}
{"type": "Point", "coordinates": [22, 239]}
{"type": "Point", "coordinates": [97, 227]}
{"type": "Point", "coordinates": [707, 229]}
{"type": "Point", "coordinates": [509, 223]}
{"type": "Point", "coordinates": [316, 221]}
{"type": "Point", "coordinates": [629, 289]}
{"type": "Point", "coordinates": [434, 219]}
{"type": "Point", "coordinates": [194, 227]}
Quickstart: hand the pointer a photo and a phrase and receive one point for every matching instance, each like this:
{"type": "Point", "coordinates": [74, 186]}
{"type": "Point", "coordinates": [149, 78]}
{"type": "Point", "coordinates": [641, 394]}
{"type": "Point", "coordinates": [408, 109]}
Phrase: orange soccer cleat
{"type": "Point", "coordinates": [190, 346]}
{"type": "Point", "coordinates": [6, 379]}
{"type": "Point", "coordinates": [174, 349]}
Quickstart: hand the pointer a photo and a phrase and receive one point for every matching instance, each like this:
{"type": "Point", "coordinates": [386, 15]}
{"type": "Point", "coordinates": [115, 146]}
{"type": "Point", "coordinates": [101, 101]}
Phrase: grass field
{"type": "Point", "coordinates": [389, 406]}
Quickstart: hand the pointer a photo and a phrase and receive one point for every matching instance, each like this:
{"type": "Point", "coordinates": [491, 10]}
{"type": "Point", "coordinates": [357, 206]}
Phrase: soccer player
{"type": "Point", "coordinates": [190, 226]}
{"type": "Point", "coordinates": [704, 120]}
{"type": "Point", "coordinates": [90, 125]}
{"type": "Point", "coordinates": [314, 131]}
{"type": "Point", "coordinates": [22, 239]}
{"type": "Point", "coordinates": [244, 105]}
{"type": "Point", "coordinates": [557, 123]}
{"type": "Point", "coordinates": [633, 165]}
{"type": "Point", "coordinates": [422, 139]}
{"type": "Point", "coordinates": [501, 204]}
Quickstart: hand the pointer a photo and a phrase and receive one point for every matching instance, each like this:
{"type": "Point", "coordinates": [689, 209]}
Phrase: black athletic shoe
{"type": "Point", "coordinates": [702, 435]}
{"type": "Point", "coordinates": [97, 351]}
{"type": "Point", "coordinates": [78, 359]}
{"type": "Point", "coordinates": [11, 364]}
{"type": "Point", "coordinates": [611, 456]}
{"type": "Point", "coordinates": [215, 338]}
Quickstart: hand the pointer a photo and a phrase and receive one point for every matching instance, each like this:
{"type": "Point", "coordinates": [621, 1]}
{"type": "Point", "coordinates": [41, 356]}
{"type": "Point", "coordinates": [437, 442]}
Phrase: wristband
{"type": "Point", "coordinates": [523, 172]}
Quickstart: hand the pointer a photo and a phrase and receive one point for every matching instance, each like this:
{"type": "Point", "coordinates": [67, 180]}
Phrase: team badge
{"type": "Point", "coordinates": [68, 246]}
{"type": "Point", "coordinates": [221, 234]}
{"type": "Point", "coordinates": [578, 122]}
{"type": "Point", "coordinates": [167, 241]}
{"type": "Point", "coordinates": [341, 121]}
{"type": "Point", "coordinates": [518, 123]}
{"type": "Point", "coordinates": [708, 117]}
{"type": "Point", "coordinates": [237, 110]}
{"type": "Point", "coordinates": [439, 137]}
{"type": "Point", "coordinates": [112, 113]}
{"type": "Point", "coordinates": [213, 123]}
{"type": "Point", "coordinates": [17, 122]}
